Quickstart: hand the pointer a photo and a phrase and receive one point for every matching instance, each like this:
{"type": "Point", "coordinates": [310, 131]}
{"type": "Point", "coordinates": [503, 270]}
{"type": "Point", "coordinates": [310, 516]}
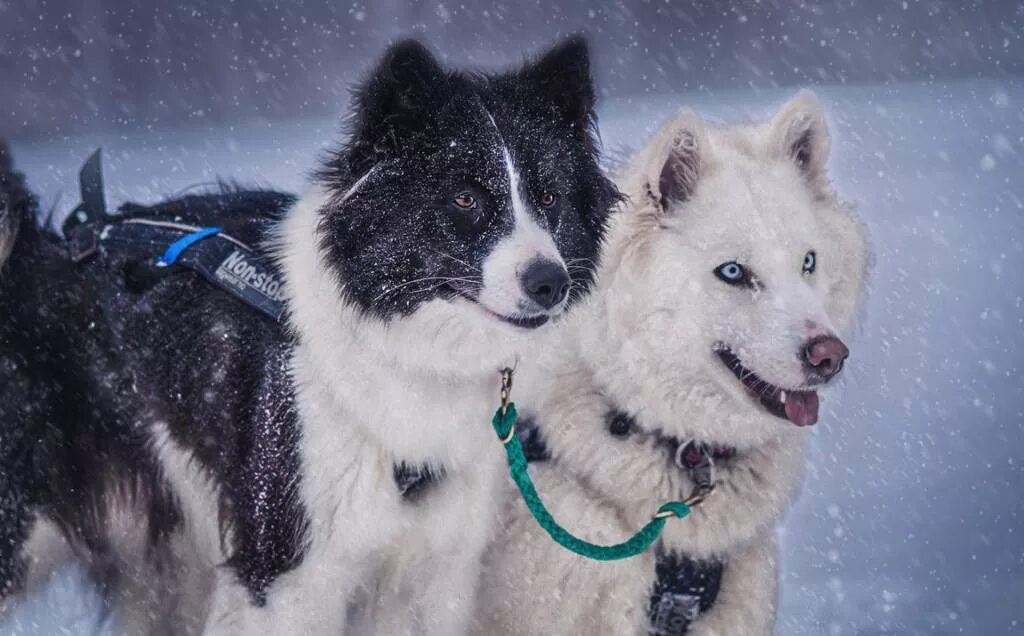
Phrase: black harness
{"type": "Point", "coordinates": [158, 247]}
{"type": "Point", "coordinates": [684, 588]}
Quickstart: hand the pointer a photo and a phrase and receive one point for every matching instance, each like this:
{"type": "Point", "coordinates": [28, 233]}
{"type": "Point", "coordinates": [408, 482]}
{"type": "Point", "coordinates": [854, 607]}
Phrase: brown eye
{"type": "Point", "coordinates": [547, 199]}
{"type": "Point", "coordinates": [465, 200]}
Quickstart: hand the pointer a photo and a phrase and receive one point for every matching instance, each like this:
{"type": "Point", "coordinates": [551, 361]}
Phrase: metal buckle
{"type": "Point", "coordinates": [506, 398]}
{"type": "Point", "coordinates": [699, 494]}
{"type": "Point", "coordinates": [82, 242]}
{"type": "Point", "coordinates": [679, 454]}
{"type": "Point", "coordinates": [702, 474]}
{"type": "Point", "coordinates": [506, 388]}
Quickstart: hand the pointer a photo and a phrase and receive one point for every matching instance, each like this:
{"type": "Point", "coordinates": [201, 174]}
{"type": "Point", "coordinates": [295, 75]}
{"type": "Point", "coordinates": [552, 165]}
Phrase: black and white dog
{"type": "Point", "coordinates": [436, 245]}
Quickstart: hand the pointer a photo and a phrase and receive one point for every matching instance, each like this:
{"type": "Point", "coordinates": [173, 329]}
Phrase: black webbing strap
{"type": "Point", "coordinates": [222, 260]}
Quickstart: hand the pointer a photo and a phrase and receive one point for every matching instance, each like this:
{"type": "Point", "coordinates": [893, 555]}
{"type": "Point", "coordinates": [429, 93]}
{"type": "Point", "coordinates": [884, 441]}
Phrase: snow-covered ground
{"type": "Point", "coordinates": [910, 520]}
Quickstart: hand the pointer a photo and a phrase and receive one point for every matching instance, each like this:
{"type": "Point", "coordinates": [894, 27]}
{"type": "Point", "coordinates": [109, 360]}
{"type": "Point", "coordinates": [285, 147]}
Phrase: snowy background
{"type": "Point", "coordinates": [910, 519]}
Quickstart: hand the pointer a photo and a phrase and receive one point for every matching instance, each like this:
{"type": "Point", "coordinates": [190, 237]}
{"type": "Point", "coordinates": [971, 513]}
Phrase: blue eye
{"type": "Point", "coordinates": [810, 261]}
{"type": "Point", "coordinates": [732, 273]}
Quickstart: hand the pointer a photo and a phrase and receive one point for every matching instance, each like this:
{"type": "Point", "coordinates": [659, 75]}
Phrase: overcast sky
{"type": "Point", "coordinates": [74, 65]}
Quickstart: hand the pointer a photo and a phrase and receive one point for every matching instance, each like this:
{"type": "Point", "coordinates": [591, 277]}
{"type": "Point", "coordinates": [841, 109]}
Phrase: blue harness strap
{"type": "Point", "coordinates": [229, 264]}
{"type": "Point", "coordinates": [174, 250]}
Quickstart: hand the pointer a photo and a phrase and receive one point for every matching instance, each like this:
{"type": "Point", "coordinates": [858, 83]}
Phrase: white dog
{"type": "Point", "coordinates": [727, 281]}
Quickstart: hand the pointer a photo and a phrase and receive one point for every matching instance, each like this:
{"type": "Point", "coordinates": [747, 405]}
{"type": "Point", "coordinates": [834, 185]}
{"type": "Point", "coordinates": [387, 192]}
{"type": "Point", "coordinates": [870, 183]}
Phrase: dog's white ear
{"type": "Point", "coordinates": [799, 133]}
{"type": "Point", "coordinates": [676, 162]}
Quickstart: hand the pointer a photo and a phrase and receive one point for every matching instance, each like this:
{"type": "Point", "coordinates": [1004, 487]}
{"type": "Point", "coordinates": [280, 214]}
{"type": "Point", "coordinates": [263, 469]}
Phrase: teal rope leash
{"type": "Point", "coordinates": [504, 424]}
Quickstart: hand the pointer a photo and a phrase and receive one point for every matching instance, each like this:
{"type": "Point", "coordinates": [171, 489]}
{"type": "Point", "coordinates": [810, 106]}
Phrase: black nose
{"type": "Point", "coordinates": [824, 356]}
{"type": "Point", "coordinates": [545, 282]}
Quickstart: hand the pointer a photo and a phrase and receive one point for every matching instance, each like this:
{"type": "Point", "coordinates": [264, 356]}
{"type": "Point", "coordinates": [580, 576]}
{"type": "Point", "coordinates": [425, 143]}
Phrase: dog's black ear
{"type": "Point", "coordinates": [561, 78]}
{"type": "Point", "coordinates": [18, 207]}
{"type": "Point", "coordinates": [6, 165]}
{"type": "Point", "coordinates": [15, 197]}
{"type": "Point", "coordinates": [9, 180]}
{"type": "Point", "coordinates": [676, 161]}
{"type": "Point", "coordinates": [390, 105]}
{"type": "Point", "coordinates": [801, 135]}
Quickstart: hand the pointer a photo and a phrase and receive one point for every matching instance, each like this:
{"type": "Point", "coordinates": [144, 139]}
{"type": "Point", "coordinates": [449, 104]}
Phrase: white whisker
{"type": "Point", "coordinates": [442, 280]}
{"type": "Point", "coordinates": [457, 260]}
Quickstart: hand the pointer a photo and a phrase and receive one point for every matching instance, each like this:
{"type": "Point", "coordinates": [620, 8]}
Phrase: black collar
{"type": "Point", "coordinates": [696, 458]}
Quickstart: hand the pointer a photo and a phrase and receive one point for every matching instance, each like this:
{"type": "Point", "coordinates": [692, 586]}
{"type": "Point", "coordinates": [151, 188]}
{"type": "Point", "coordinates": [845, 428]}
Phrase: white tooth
{"type": "Point", "coordinates": [782, 397]}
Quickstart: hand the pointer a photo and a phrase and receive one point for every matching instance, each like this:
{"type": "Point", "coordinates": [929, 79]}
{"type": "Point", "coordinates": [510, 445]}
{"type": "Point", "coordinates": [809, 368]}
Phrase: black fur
{"type": "Point", "coordinates": [17, 205]}
{"type": "Point", "coordinates": [18, 488]}
{"type": "Point", "coordinates": [90, 362]}
{"type": "Point", "coordinates": [64, 455]}
{"type": "Point", "coordinates": [415, 481]}
{"type": "Point", "coordinates": [428, 134]}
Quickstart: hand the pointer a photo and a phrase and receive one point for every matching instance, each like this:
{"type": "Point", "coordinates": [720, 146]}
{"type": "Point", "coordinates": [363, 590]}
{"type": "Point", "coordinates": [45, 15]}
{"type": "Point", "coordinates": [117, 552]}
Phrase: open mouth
{"type": "Point", "coordinates": [799, 407]}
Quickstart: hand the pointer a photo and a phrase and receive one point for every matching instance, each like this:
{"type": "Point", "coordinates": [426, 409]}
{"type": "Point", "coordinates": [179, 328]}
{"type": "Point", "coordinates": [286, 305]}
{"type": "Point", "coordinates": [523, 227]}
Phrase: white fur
{"type": "Point", "coordinates": [153, 592]}
{"type": "Point", "coordinates": [419, 389]}
{"type": "Point", "coordinates": [44, 552]}
{"type": "Point", "coordinates": [196, 492]}
{"type": "Point", "coordinates": [502, 292]}
{"type": "Point", "coordinates": [644, 343]}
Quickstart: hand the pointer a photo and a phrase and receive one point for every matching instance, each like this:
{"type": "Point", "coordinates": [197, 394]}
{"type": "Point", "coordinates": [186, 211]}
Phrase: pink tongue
{"type": "Point", "coordinates": [802, 407]}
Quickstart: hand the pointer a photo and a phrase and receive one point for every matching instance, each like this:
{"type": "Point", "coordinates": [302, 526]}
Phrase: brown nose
{"type": "Point", "coordinates": [824, 356]}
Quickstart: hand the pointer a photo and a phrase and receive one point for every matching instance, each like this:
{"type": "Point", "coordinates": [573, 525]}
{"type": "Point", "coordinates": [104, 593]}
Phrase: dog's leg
{"type": "Point", "coordinates": [747, 599]}
{"type": "Point", "coordinates": [432, 582]}
{"type": "Point", "coordinates": [447, 602]}
{"type": "Point", "coordinates": [434, 595]}
{"type": "Point", "coordinates": [44, 552]}
{"type": "Point", "coordinates": [439, 601]}
{"type": "Point", "coordinates": [311, 599]}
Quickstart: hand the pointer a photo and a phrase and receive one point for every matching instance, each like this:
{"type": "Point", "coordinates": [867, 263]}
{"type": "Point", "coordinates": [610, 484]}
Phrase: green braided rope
{"type": "Point", "coordinates": [503, 425]}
